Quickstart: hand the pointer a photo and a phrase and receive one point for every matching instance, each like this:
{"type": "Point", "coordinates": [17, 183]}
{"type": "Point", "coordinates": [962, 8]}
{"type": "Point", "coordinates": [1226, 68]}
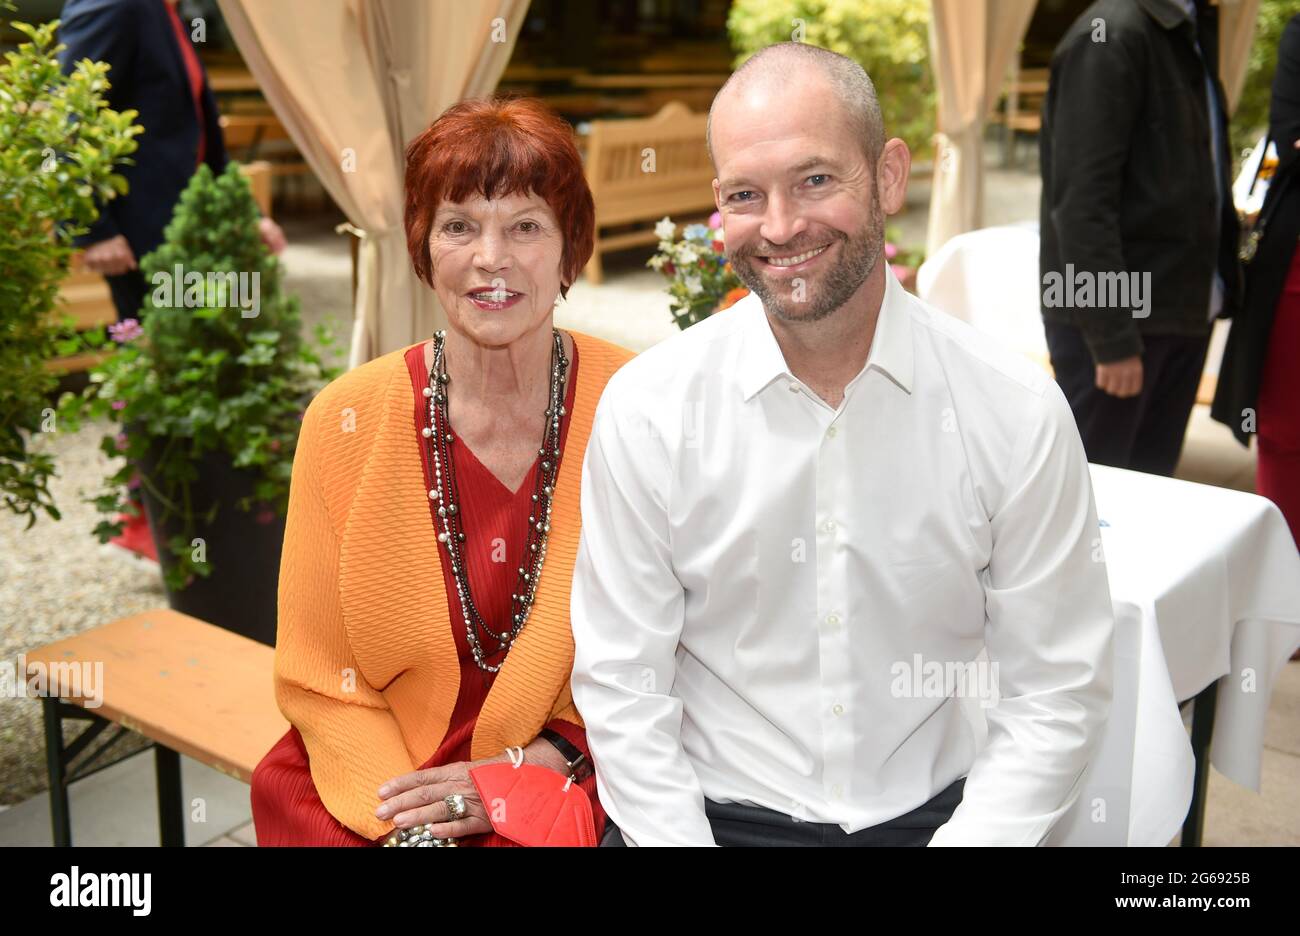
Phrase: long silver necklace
{"type": "Point", "coordinates": [451, 518]}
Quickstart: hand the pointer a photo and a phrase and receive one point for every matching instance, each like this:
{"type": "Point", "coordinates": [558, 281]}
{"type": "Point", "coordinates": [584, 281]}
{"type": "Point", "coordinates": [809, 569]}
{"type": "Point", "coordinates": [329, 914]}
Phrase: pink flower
{"type": "Point", "coordinates": [133, 483]}
{"type": "Point", "coordinates": [274, 445]}
{"type": "Point", "coordinates": [125, 330]}
{"type": "Point", "coordinates": [890, 251]}
{"type": "Point", "coordinates": [121, 441]}
{"type": "Point", "coordinates": [715, 220]}
{"type": "Point", "coordinates": [265, 517]}
{"type": "Point", "coordinates": [901, 272]}
{"type": "Point", "coordinates": [119, 404]}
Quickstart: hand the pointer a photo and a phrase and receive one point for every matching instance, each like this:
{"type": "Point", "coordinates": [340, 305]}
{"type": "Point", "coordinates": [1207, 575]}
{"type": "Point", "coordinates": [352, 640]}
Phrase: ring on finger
{"type": "Point", "coordinates": [455, 806]}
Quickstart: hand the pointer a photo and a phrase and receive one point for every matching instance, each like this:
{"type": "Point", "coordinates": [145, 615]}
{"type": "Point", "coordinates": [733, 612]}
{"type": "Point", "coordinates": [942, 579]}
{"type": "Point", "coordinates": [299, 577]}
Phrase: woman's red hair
{"type": "Point", "coordinates": [496, 147]}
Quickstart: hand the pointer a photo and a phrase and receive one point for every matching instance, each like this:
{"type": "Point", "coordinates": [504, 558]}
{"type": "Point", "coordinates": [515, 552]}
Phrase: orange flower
{"type": "Point", "coordinates": [732, 297]}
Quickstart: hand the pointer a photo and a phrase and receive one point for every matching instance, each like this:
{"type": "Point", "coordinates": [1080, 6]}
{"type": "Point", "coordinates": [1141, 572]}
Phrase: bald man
{"type": "Point", "coordinates": [839, 580]}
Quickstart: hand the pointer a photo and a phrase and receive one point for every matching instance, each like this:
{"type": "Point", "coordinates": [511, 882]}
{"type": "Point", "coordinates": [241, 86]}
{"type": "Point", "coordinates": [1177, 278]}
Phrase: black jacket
{"type": "Point", "coordinates": [1128, 176]}
{"type": "Point", "coordinates": [147, 73]}
{"type": "Point", "coordinates": [1243, 358]}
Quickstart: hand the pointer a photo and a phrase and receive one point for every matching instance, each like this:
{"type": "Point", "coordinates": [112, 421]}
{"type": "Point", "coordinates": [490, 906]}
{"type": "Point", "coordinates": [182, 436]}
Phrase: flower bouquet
{"type": "Point", "coordinates": [700, 279]}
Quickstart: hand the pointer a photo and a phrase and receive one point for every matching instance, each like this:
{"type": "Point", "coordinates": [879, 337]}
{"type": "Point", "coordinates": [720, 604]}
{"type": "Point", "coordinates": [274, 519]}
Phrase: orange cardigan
{"type": "Point", "coordinates": [365, 664]}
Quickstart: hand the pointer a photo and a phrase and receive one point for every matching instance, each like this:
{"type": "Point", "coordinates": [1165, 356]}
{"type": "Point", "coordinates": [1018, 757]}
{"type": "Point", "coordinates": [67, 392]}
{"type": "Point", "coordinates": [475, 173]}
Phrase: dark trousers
{"type": "Point", "coordinates": [128, 291]}
{"type": "Point", "coordinates": [735, 824]}
{"type": "Point", "coordinates": [1143, 432]}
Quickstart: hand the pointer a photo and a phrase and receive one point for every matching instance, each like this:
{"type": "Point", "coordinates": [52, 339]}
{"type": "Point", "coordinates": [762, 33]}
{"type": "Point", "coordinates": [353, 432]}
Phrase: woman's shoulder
{"type": "Point", "coordinates": [363, 388]}
{"type": "Point", "coordinates": [342, 423]}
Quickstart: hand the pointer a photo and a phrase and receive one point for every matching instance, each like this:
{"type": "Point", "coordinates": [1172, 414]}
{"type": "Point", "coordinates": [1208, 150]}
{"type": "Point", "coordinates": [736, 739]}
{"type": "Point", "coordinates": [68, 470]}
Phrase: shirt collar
{"type": "Point", "coordinates": [891, 346]}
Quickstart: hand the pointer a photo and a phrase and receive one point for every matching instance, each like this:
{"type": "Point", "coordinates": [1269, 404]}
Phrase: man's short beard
{"type": "Point", "coordinates": [833, 287]}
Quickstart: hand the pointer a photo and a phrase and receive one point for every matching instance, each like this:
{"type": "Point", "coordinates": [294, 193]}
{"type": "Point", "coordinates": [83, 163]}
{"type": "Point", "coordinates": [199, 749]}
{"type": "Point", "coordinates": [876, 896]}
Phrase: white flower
{"type": "Point", "coordinates": [665, 229]}
{"type": "Point", "coordinates": [686, 255]}
{"type": "Point", "coordinates": [657, 262]}
{"type": "Point", "coordinates": [693, 286]}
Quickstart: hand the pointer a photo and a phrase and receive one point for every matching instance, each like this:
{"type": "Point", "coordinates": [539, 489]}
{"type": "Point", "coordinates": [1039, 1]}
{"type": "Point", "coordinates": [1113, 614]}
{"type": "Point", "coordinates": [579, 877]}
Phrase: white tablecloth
{"type": "Point", "coordinates": [989, 279]}
{"type": "Point", "coordinates": [1206, 586]}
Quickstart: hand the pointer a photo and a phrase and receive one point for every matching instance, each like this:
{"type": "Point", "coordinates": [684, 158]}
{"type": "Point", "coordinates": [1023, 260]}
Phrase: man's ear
{"type": "Point", "coordinates": [717, 195]}
{"type": "Point", "coordinates": [892, 172]}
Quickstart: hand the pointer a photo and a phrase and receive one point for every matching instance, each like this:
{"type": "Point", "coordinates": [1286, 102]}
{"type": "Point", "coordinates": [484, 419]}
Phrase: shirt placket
{"type": "Point", "coordinates": [833, 607]}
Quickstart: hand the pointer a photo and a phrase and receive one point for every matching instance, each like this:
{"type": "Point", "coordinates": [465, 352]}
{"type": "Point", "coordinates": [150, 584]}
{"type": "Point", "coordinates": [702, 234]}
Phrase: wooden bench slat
{"type": "Point", "coordinates": [198, 689]}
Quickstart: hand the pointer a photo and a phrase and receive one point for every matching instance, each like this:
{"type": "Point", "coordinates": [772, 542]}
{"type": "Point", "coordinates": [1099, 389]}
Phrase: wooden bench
{"type": "Point", "coordinates": [680, 187]}
{"type": "Point", "coordinates": [190, 687]}
{"type": "Point", "coordinates": [1026, 89]}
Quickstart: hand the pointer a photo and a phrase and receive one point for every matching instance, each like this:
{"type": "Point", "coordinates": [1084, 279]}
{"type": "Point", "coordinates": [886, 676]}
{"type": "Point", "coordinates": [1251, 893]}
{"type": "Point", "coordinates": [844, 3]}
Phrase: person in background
{"type": "Point", "coordinates": [1260, 373]}
{"type": "Point", "coordinates": [1136, 203]}
{"type": "Point", "coordinates": [155, 71]}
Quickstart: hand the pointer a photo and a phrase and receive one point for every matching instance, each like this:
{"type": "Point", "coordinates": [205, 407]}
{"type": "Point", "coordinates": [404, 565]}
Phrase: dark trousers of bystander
{"type": "Point", "coordinates": [1143, 432]}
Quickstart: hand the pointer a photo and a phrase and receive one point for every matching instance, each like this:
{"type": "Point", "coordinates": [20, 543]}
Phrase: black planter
{"type": "Point", "coordinates": [244, 554]}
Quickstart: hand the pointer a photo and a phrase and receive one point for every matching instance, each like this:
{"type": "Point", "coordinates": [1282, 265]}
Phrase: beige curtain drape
{"type": "Point", "coordinates": [1236, 33]}
{"type": "Point", "coordinates": [971, 44]}
{"type": "Point", "coordinates": [354, 81]}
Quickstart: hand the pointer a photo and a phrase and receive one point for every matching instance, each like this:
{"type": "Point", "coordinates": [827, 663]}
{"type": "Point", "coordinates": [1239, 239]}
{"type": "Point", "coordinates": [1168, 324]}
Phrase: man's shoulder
{"type": "Point", "coordinates": [973, 362]}
{"type": "Point", "coordinates": [707, 348]}
{"type": "Point", "coordinates": [1107, 25]}
{"type": "Point", "coordinates": [119, 9]}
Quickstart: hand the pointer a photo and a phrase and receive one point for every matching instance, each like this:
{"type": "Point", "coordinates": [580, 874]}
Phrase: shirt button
{"type": "Point", "coordinates": [794, 388]}
{"type": "Point", "coordinates": [830, 433]}
{"type": "Point", "coordinates": [833, 620]}
{"type": "Point", "coordinates": [829, 526]}
{"type": "Point", "coordinates": [838, 709]}
{"type": "Point", "coordinates": [836, 791]}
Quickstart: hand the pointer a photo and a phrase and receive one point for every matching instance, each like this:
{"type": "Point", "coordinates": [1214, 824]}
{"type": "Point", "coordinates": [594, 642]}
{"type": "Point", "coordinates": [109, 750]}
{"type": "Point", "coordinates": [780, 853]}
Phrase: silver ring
{"type": "Point", "coordinates": [455, 805]}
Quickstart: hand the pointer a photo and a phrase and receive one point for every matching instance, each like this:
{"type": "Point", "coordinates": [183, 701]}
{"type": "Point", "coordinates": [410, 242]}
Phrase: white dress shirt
{"type": "Point", "coordinates": [763, 582]}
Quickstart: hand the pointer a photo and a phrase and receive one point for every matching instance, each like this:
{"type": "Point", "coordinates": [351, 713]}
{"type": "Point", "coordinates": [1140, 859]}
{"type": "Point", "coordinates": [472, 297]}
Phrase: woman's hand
{"type": "Point", "coordinates": [417, 798]}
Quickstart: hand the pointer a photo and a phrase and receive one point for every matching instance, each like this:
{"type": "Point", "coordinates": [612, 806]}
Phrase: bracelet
{"type": "Point", "coordinates": [574, 759]}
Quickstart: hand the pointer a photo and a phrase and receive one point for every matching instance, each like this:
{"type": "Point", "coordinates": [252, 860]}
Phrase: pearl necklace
{"type": "Point", "coordinates": [452, 521]}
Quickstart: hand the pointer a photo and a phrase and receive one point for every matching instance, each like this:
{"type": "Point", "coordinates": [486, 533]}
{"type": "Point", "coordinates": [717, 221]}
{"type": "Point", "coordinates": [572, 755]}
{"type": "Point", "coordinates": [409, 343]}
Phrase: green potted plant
{"type": "Point", "coordinates": [59, 145]}
{"type": "Point", "coordinates": [208, 393]}
{"type": "Point", "coordinates": [889, 38]}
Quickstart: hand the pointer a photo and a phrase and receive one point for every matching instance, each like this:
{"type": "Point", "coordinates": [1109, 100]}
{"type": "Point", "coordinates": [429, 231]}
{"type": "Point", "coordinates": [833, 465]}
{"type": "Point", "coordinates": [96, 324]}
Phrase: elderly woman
{"type": "Point", "coordinates": [433, 518]}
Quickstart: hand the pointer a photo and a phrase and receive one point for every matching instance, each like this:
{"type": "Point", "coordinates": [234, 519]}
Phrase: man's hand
{"type": "Point", "coordinates": [109, 257]}
{"type": "Point", "coordinates": [1121, 378]}
{"type": "Point", "coordinates": [271, 235]}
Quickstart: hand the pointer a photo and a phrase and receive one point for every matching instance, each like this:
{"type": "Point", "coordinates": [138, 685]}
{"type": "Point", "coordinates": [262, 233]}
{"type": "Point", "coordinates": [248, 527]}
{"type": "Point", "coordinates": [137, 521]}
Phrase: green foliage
{"type": "Point", "coordinates": [889, 38]}
{"type": "Point", "coordinates": [203, 377]}
{"type": "Point", "coordinates": [59, 144]}
{"type": "Point", "coordinates": [1250, 121]}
